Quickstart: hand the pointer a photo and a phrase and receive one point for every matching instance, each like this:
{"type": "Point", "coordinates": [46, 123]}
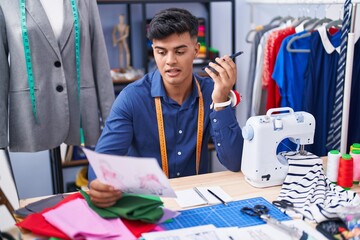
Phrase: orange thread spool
{"type": "Point", "coordinates": [346, 171]}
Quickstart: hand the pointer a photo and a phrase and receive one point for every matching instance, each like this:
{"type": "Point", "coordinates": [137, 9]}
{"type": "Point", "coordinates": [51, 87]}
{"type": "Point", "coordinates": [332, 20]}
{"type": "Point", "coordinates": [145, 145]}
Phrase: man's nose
{"type": "Point", "coordinates": [171, 58]}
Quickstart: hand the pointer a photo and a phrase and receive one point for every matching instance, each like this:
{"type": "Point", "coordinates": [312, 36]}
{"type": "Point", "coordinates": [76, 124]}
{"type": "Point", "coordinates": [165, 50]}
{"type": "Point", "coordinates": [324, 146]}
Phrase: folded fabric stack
{"type": "Point", "coordinates": [75, 217]}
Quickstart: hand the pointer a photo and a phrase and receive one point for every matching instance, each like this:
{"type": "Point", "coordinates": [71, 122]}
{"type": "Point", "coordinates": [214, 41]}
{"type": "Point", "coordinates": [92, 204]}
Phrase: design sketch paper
{"type": "Point", "coordinates": [269, 232]}
{"type": "Point", "coordinates": [130, 174]}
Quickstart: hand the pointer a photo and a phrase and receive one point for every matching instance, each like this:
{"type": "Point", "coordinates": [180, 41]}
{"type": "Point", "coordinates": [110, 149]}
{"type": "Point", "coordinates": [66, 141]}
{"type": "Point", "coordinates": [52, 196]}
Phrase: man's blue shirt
{"type": "Point", "coordinates": [131, 128]}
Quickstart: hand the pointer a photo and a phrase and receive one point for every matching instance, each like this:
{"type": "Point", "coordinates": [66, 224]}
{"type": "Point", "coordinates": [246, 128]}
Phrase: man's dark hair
{"type": "Point", "coordinates": [170, 21]}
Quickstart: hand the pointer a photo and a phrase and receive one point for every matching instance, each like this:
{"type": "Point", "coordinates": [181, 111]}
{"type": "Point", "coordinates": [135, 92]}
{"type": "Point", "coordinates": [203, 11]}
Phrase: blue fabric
{"type": "Point", "coordinates": [289, 71]}
{"type": "Point", "coordinates": [131, 128]}
{"type": "Point", "coordinates": [319, 91]}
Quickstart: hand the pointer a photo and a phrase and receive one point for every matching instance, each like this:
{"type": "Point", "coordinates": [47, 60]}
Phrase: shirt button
{"type": "Point", "coordinates": [219, 144]}
{"type": "Point", "coordinates": [215, 120]}
{"type": "Point", "coordinates": [180, 131]}
{"type": "Point", "coordinates": [59, 88]}
{"type": "Point", "coordinates": [178, 174]}
{"type": "Point", "coordinates": [179, 153]}
{"type": "Point", "coordinates": [57, 64]}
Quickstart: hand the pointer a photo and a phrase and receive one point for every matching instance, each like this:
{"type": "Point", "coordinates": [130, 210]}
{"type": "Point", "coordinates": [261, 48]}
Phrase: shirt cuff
{"type": "Point", "coordinates": [223, 118]}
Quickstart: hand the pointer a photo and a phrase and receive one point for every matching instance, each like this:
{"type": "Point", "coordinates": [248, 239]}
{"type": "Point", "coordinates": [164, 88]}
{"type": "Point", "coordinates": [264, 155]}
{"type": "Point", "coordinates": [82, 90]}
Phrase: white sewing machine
{"type": "Point", "coordinates": [262, 135]}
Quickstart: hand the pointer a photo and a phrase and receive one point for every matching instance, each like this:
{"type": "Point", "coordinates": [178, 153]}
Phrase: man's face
{"type": "Point", "coordinates": [174, 57]}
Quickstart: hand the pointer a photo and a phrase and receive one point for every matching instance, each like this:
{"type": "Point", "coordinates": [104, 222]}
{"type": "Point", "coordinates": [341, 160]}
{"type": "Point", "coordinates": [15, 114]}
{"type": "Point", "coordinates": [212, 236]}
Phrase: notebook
{"type": "Point", "coordinates": [201, 196]}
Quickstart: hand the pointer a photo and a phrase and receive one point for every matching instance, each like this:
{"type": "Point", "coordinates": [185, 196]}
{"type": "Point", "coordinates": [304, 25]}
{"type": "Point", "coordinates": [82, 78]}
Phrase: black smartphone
{"type": "Point", "coordinates": [233, 56]}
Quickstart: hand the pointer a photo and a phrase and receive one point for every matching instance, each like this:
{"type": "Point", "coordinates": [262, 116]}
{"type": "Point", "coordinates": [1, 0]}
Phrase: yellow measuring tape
{"type": "Point", "coordinates": [200, 126]}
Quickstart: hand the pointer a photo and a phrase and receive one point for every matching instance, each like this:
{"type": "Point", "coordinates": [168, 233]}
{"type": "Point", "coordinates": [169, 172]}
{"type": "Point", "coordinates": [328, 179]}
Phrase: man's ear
{"type": "Point", "coordinates": [197, 49]}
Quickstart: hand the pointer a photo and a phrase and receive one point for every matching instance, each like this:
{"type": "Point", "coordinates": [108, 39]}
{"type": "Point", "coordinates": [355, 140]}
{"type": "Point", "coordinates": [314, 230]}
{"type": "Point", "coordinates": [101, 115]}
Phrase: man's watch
{"type": "Point", "coordinates": [234, 100]}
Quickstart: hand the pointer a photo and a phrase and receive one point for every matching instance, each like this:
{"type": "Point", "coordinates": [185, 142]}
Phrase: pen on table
{"type": "Point", "coordinates": [222, 201]}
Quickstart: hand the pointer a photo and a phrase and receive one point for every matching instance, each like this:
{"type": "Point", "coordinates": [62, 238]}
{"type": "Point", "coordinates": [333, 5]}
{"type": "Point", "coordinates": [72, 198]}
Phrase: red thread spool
{"type": "Point", "coordinates": [346, 171]}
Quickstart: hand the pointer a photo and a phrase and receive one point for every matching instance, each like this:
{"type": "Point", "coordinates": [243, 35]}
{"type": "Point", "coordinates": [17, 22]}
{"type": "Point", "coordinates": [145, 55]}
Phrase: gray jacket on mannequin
{"type": "Point", "coordinates": [55, 78]}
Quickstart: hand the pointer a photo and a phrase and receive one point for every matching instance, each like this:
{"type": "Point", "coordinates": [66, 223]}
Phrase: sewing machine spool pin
{"type": "Point", "coordinates": [262, 134]}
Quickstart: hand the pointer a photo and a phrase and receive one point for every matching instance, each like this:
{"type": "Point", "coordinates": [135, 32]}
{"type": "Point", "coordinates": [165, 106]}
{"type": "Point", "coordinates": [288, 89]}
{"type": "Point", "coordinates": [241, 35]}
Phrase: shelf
{"type": "Point", "coordinates": [75, 163]}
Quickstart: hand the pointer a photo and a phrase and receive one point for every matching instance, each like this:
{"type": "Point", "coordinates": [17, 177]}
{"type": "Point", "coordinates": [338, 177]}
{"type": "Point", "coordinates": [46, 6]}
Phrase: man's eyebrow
{"type": "Point", "coordinates": [178, 47]}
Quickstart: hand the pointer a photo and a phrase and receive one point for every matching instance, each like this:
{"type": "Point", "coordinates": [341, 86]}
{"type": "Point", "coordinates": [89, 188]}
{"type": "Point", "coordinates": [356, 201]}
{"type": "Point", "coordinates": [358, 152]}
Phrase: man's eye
{"type": "Point", "coordinates": [161, 52]}
{"type": "Point", "coordinates": [180, 52]}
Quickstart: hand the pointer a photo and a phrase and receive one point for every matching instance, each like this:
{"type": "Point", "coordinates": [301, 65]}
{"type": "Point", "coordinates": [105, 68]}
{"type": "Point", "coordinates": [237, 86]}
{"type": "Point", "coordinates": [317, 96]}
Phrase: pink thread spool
{"type": "Point", "coordinates": [355, 154]}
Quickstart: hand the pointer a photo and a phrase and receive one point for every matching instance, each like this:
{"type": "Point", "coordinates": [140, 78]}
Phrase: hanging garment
{"type": "Point", "coordinates": [289, 71]}
{"type": "Point", "coordinates": [55, 78]}
{"type": "Point", "coordinates": [271, 50]}
{"type": "Point", "coordinates": [311, 192]}
{"type": "Point", "coordinates": [320, 84]}
{"type": "Point", "coordinates": [253, 64]}
{"type": "Point", "coordinates": [259, 94]}
{"type": "Point", "coordinates": [334, 134]}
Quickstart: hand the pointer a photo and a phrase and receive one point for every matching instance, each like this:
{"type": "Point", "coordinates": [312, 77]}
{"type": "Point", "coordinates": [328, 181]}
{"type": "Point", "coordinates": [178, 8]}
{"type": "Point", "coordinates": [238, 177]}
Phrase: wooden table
{"type": "Point", "coordinates": [232, 183]}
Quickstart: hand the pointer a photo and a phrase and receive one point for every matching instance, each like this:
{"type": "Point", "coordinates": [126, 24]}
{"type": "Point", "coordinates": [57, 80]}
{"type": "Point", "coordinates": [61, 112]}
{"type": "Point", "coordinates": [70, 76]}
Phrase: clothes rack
{"type": "Point", "coordinates": [349, 58]}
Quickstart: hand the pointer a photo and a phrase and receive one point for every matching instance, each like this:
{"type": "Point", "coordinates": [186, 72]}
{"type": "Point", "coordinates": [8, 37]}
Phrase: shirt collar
{"type": "Point", "coordinates": [328, 45]}
{"type": "Point", "coordinates": [158, 90]}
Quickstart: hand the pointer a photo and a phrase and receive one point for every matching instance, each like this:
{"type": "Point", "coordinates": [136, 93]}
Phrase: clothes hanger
{"type": "Point", "coordinates": [285, 19]}
{"type": "Point", "coordinates": [256, 29]}
{"type": "Point", "coordinates": [293, 39]}
{"type": "Point", "coordinates": [335, 23]}
{"type": "Point", "coordinates": [320, 22]}
{"type": "Point", "coordinates": [308, 25]}
{"type": "Point", "coordinates": [299, 21]}
{"type": "Point", "coordinates": [275, 19]}
{"type": "Point", "coordinates": [316, 23]}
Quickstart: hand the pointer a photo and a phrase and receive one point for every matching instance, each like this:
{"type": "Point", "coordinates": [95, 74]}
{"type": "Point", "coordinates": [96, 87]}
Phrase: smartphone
{"type": "Point", "coordinates": [233, 56]}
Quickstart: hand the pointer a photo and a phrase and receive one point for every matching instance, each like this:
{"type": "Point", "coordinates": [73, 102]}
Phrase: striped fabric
{"type": "Point", "coordinates": [312, 193]}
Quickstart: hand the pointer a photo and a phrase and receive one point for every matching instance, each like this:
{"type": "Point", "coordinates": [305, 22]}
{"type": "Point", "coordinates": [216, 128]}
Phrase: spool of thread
{"type": "Point", "coordinates": [355, 154]}
{"type": "Point", "coordinates": [332, 165]}
{"type": "Point", "coordinates": [354, 146]}
{"type": "Point", "coordinates": [346, 171]}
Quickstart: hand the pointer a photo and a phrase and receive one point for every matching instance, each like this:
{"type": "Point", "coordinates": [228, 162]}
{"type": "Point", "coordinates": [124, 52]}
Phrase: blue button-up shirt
{"type": "Point", "coordinates": [131, 128]}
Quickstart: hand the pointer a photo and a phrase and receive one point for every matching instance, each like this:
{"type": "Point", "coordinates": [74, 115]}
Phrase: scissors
{"type": "Point", "coordinates": [261, 211]}
{"type": "Point", "coordinates": [286, 204]}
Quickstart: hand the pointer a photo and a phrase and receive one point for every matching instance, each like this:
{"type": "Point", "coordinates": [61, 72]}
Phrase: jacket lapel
{"type": "Point", "coordinates": [38, 14]}
{"type": "Point", "coordinates": [68, 25]}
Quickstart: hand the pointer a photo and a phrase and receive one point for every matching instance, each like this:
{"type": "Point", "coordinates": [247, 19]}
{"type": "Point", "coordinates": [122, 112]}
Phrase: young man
{"type": "Point", "coordinates": [173, 103]}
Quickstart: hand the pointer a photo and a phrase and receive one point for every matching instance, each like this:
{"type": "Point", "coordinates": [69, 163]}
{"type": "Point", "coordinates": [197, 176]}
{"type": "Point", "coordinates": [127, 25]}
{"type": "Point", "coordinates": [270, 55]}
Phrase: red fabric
{"type": "Point", "coordinates": [37, 224]}
{"type": "Point", "coordinates": [138, 227]}
{"type": "Point", "coordinates": [271, 50]}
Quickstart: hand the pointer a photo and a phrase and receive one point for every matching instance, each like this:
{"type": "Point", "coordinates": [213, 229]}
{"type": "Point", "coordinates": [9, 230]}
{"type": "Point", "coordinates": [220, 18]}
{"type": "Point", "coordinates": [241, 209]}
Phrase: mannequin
{"type": "Point", "coordinates": [58, 107]}
{"type": "Point", "coordinates": [120, 34]}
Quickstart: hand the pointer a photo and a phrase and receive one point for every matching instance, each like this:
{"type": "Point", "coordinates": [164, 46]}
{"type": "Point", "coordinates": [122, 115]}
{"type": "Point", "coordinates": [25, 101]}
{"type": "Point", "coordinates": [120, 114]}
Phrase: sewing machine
{"type": "Point", "coordinates": [262, 134]}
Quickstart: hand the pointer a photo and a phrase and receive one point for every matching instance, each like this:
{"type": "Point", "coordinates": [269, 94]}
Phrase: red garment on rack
{"type": "Point", "coordinates": [271, 50]}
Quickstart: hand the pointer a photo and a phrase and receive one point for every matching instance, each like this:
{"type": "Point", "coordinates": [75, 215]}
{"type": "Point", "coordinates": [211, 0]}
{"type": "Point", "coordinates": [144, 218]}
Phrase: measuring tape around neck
{"type": "Point", "coordinates": [28, 60]}
{"type": "Point", "coordinates": [162, 139]}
